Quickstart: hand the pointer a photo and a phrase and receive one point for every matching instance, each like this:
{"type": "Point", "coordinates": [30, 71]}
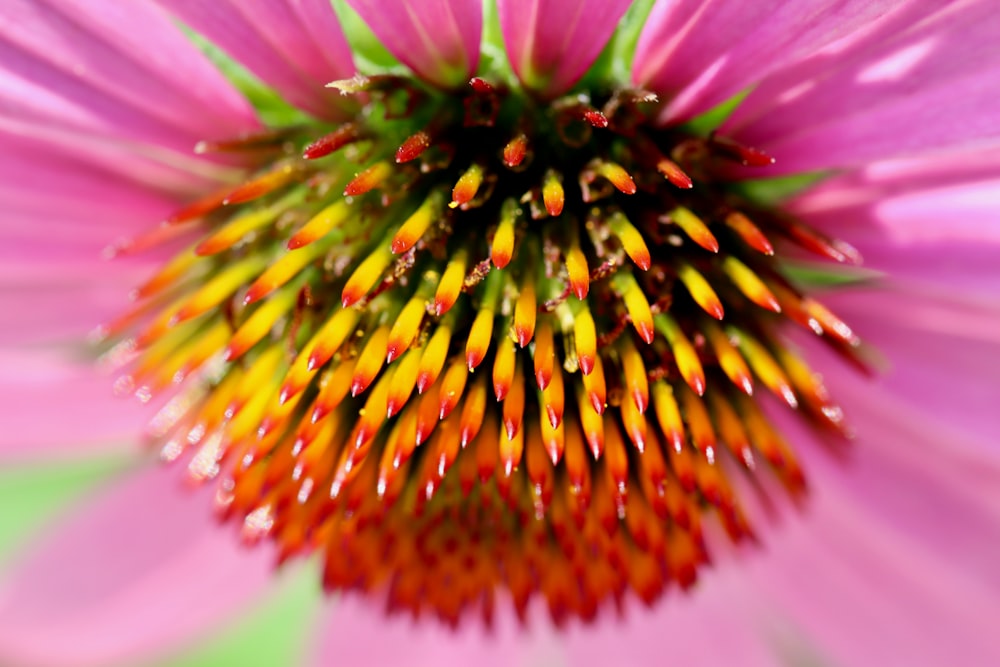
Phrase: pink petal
{"type": "Point", "coordinates": [698, 54]}
{"type": "Point", "coordinates": [941, 197]}
{"type": "Point", "coordinates": [929, 70]}
{"type": "Point", "coordinates": [62, 150]}
{"type": "Point", "coordinates": [297, 47]}
{"type": "Point", "coordinates": [906, 528]}
{"type": "Point", "coordinates": [719, 622]}
{"type": "Point", "coordinates": [60, 214]}
{"type": "Point", "coordinates": [49, 399]}
{"type": "Point", "coordinates": [929, 222]}
{"type": "Point", "coordinates": [437, 39]}
{"type": "Point", "coordinates": [52, 181]}
{"type": "Point", "coordinates": [551, 43]}
{"type": "Point", "coordinates": [943, 357]}
{"type": "Point", "coordinates": [357, 631]}
{"type": "Point", "coordinates": [133, 573]}
{"type": "Point", "coordinates": [118, 69]}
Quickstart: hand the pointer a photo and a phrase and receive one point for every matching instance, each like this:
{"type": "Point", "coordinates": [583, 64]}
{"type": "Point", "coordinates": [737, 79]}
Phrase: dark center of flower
{"type": "Point", "coordinates": [474, 344]}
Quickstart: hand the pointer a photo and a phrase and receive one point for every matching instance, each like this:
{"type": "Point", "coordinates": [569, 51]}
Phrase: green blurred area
{"type": "Point", "coordinates": [276, 631]}
{"type": "Point", "coordinates": [273, 631]}
{"type": "Point", "coordinates": [35, 494]}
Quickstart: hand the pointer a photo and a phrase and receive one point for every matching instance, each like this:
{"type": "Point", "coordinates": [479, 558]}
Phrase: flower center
{"type": "Point", "coordinates": [475, 345]}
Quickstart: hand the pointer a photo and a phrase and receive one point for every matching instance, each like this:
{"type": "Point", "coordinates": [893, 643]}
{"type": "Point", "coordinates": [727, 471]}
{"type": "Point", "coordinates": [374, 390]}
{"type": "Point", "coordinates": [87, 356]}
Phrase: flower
{"type": "Point", "coordinates": [599, 204]}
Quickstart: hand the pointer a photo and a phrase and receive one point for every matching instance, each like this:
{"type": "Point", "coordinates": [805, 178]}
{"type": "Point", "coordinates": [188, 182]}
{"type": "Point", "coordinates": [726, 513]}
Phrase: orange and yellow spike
{"type": "Point", "coordinates": [450, 285]}
{"type": "Point", "coordinates": [750, 284]}
{"type": "Point", "coordinates": [515, 151]}
{"type": "Point", "coordinates": [239, 227]}
{"type": "Point", "coordinates": [480, 336]}
{"type": "Point", "coordinates": [554, 399]}
{"type": "Point", "coordinates": [473, 411]}
{"type": "Point", "coordinates": [749, 232]}
{"type": "Point", "coordinates": [553, 438]}
{"type": "Point", "coordinates": [525, 312]}
{"type": "Point", "coordinates": [433, 357]}
{"type": "Point", "coordinates": [452, 387]}
{"type": "Point", "coordinates": [636, 305]}
{"type": "Point", "coordinates": [481, 333]}
{"type": "Point", "coordinates": [264, 184]}
{"type": "Point", "coordinates": [575, 459]}
{"type": "Point", "coordinates": [635, 424]}
{"type": "Point", "coordinates": [406, 327]}
{"type": "Point", "coordinates": [685, 354]}
{"type": "Point", "coordinates": [730, 428]}
{"type": "Point", "coordinates": [321, 224]}
{"type": "Point", "coordinates": [467, 186]}
{"type": "Point", "coordinates": [695, 228]}
{"type": "Point", "coordinates": [503, 367]}
{"type": "Point", "coordinates": [369, 179]}
{"type": "Point", "coordinates": [617, 175]}
{"type": "Point", "coordinates": [673, 173]}
{"type": "Point", "coordinates": [370, 361]}
{"type": "Point", "coordinates": [318, 351]}
{"type": "Point", "coordinates": [764, 366]}
{"type": "Point", "coordinates": [404, 380]}
{"type": "Point", "coordinates": [634, 371]}
{"type": "Point", "coordinates": [595, 386]}
{"type": "Point", "coordinates": [502, 247]}
{"type": "Point", "coordinates": [545, 353]}
{"type": "Point", "coordinates": [367, 275]}
{"type": "Point", "coordinates": [585, 339]}
{"type": "Point", "coordinates": [511, 448]}
{"type": "Point", "coordinates": [333, 389]}
{"type": "Point", "coordinates": [513, 404]}
{"type": "Point", "coordinates": [540, 471]}
{"type": "Point", "coordinates": [181, 265]}
{"type": "Point", "coordinates": [700, 290]}
{"type": "Point", "coordinates": [699, 422]}
{"type": "Point", "coordinates": [631, 240]}
{"type": "Point", "coordinates": [578, 271]}
{"type": "Point", "coordinates": [413, 147]}
{"type": "Point", "coordinates": [219, 288]}
{"type": "Point", "coordinates": [418, 223]}
{"type": "Point", "coordinates": [280, 272]}
{"type": "Point", "coordinates": [372, 415]}
{"type": "Point", "coordinates": [552, 193]}
{"type": "Point", "coordinates": [428, 413]}
{"type": "Point", "coordinates": [616, 461]}
{"type": "Point", "coordinates": [261, 322]}
{"type": "Point", "coordinates": [345, 134]}
{"type": "Point", "coordinates": [732, 363]}
{"type": "Point", "coordinates": [668, 414]}
{"type": "Point", "coordinates": [329, 338]}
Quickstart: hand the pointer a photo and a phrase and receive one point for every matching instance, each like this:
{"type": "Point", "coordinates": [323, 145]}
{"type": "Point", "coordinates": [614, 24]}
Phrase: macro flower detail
{"type": "Point", "coordinates": [483, 339]}
{"type": "Point", "coordinates": [510, 315]}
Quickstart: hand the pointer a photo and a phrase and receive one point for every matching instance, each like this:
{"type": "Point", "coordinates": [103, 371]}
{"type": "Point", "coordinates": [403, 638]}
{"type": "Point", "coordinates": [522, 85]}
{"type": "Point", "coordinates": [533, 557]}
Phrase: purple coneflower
{"type": "Point", "coordinates": [540, 320]}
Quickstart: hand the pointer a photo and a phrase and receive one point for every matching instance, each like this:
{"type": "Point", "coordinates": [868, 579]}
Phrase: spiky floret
{"type": "Point", "coordinates": [476, 344]}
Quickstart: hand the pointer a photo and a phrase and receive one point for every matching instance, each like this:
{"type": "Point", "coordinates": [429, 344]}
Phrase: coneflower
{"type": "Point", "coordinates": [524, 321]}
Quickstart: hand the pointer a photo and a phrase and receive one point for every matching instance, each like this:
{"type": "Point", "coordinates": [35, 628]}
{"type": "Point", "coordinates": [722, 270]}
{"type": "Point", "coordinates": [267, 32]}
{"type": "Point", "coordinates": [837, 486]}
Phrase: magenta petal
{"type": "Point", "coordinates": [929, 223]}
{"type": "Point", "coordinates": [297, 47]}
{"type": "Point", "coordinates": [437, 39]}
{"type": "Point", "coordinates": [906, 528]}
{"type": "Point", "coordinates": [698, 54]}
{"type": "Point", "coordinates": [47, 398]}
{"type": "Point", "coordinates": [943, 356]}
{"type": "Point", "coordinates": [918, 80]}
{"type": "Point", "coordinates": [115, 69]}
{"type": "Point", "coordinates": [551, 43]}
{"type": "Point", "coordinates": [134, 572]}
{"type": "Point", "coordinates": [358, 631]}
{"type": "Point", "coordinates": [720, 622]}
